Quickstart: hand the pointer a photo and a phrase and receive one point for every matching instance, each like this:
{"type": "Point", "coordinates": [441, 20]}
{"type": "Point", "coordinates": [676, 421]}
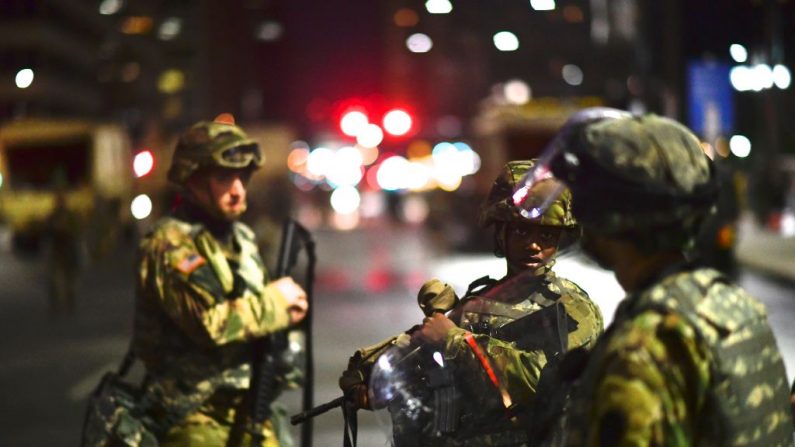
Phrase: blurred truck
{"type": "Point", "coordinates": [87, 163]}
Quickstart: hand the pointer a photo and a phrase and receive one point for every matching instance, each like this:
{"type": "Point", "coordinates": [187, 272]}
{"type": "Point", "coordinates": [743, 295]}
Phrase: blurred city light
{"type": "Point", "coordinates": [370, 136]}
{"type": "Point", "coordinates": [419, 43]}
{"type": "Point", "coordinates": [369, 154]}
{"type": "Point", "coordinates": [781, 77]}
{"type": "Point", "coordinates": [415, 210]}
{"type": "Point", "coordinates": [344, 222]}
{"type": "Point", "coordinates": [516, 92]}
{"type": "Point", "coordinates": [270, 31]}
{"type": "Point", "coordinates": [406, 18]}
{"type": "Point", "coordinates": [171, 81]}
{"type": "Point", "coordinates": [506, 41]}
{"type": "Point", "coordinates": [418, 148]}
{"type": "Point", "coordinates": [319, 160]}
{"type": "Point", "coordinates": [130, 71]}
{"type": "Point", "coordinates": [738, 52]}
{"type": "Point", "coordinates": [397, 122]}
{"type": "Point", "coordinates": [170, 28]}
{"type": "Point", "coordinates": [141, 207]}
{"type": "Point", "coordinates": [136, 25]}
{"type": "Point", "coordinates": [24, 78]}
{"type": "Point", "coordinates": [438, 6]}
{"type": "Point", "coordinates": [1, 180]}
{"type": "Point", "coordinates": [740, 146]}
{"type": "Point", "coordinates": [759, 77]}
{"type": "Point", "coordinates": [353, 122]}
{"type": "Point", "coordinates": [418, 176]}
{"type": "Point", "coordinates": [345, 200]}
{"type": "Point", "coordinates": [297, 158]}
{"type": "Point", "coordinates": [573, 14]}
{"type": "Point", "coordinates": [143, 163]}
{"type": "Point", "coordinates": [373, 204]}
{"type": "Point", "coordinates": [542, 5]}
{"type": "Point", "coordinates": [110, 7]}
{"type": "Point", "coordinates": [392, 173]}
{"type": "Point", "coordinates": [572, 74]}
{"type": "Point", "coordinates": [346, 167]}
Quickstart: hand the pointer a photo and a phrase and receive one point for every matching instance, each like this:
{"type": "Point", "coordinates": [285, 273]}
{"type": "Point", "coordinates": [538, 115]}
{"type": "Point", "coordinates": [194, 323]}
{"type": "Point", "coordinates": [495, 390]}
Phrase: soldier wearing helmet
{"type": "Point", "coordinates": [203, 292]}
{"type": "Point", "coordinates": [473, 333]}
{"type": "Point", "coordinates": [689, 358]}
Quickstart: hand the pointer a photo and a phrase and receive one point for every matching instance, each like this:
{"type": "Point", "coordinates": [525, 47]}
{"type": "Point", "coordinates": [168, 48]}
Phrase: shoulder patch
{"type": "Point", "coordinates": [190, 263]}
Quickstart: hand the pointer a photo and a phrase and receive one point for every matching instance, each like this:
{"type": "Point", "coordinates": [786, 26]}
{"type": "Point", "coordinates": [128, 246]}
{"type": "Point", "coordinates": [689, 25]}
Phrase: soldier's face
{"type": "Point", "coordinates": [529, 247]}
{"type": "Point", "coordinates": [225, 191]}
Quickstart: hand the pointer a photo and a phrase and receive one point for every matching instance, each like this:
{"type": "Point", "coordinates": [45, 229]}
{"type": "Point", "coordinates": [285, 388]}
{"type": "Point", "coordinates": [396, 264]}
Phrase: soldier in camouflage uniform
{"type": "Point", "coordinates": [689, 358]}
{"type": "Point", "coordinates": [203, 294]}
{"type": "Point", "coordinates": [529, 248]}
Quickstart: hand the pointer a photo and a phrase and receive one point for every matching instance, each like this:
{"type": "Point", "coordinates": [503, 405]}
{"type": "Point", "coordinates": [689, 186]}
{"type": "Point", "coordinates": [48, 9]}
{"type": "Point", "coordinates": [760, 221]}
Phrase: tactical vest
{"type": "Point", "coordinates": [747, 402]}
{"type": "Point", "coordinates": [552, 330]}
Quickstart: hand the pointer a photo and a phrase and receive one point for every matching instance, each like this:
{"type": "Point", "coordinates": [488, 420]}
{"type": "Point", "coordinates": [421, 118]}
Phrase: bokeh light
{"type": "Point", "coordinates": [738, 52]}
{"type": "Point", "coordinates": [397, 122]}
{"type": "Point", "coordinates": [781, 77]}
{"type": "Point", "coordinates": [24, 78]}
{"type": "Point", "coordinates": [169, 28]}
{"type": "Point", "coordinates": [319, 160]}
{"type": "Point", "coordinates": [353, 122]}
{"type": "Point", "coordinates": [516, 92]}
{"type": "Point", "coordinates": [438, 6]}
{"type": "Point", "coordinates": [143, 163]}
{"type": "Point", "coordinates": [419, 43]}
{"type": "Point", "coordinates": [740, 146]}
{"type": "Point", "coordinates": [345, 199]}
{"type": "Point", "coordinates": [542, 5]}
{"type": "Point", "coordinates": [141, 207]}
{"type": "Point", "coordinates": [506, 41]}
{"type": "Point", "coordinates": [406, 18]}
{"type": "Point", "coordinates": [572, 74]}
{"type": "Point", "coordinates": [370, 136]}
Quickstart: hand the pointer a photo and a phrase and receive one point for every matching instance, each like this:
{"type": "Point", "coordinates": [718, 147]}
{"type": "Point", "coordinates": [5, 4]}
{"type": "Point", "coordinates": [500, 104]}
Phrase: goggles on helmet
{"type": "Point", "coordinates": [540, 178]}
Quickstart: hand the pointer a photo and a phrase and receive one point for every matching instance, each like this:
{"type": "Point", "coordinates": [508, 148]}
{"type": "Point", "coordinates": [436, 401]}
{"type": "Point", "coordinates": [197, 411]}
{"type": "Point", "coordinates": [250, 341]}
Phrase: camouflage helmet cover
{"type": "Point", "coordinates": [217, 143]}
{"type": "Point", "coordinates": [499, 206]}
{"type": "Point", "coordinates": [638, 173]}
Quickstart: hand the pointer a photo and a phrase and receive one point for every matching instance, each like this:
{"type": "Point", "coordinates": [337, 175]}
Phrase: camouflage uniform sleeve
{"type": "Point", "coordinates": [190, 293]}
{"type": "Point", "coordinates": [517, 371]}
{"type": "Point", "coordinates": [640, 397]}
{"type": "Point", "coordinates": [590, 323]}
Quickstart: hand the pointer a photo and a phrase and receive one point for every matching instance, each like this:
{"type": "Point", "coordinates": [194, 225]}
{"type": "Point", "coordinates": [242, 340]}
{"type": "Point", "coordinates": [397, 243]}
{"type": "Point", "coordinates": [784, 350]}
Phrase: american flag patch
{"type": "Point", "coordinates": [189, 264]}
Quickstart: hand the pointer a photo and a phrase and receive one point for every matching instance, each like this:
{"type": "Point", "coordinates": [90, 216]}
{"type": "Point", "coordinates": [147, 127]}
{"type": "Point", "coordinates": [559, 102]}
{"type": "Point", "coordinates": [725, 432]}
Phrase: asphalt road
{"type": "Point", "coordinates": [367, 283]}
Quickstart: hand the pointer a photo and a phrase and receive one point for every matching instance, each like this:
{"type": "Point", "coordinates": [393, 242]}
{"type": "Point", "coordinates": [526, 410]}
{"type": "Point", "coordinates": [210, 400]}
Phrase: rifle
{"type": "Point", "coordinates": [268, 350]}
{"type": "Point", "coordinates": [433, 297]}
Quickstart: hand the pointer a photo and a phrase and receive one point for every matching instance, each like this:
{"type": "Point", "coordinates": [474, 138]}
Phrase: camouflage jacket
{"type": "Point", "coordinates": [517, 368]}
{"type": "Point", "coordinates": [690, 360]}
{"type": "Point", "coordinates": [199, 302]}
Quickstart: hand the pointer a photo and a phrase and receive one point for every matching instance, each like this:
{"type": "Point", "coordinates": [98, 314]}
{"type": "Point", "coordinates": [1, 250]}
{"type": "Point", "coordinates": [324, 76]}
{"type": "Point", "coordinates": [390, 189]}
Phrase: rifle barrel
{"type": "Point", "coordinates": [304, 416]}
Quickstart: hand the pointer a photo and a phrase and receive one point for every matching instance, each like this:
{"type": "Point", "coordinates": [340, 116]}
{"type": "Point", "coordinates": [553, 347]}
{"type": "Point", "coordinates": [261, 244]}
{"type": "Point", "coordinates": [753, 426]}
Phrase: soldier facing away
{"type": "Point", "coordinates": [474, 335]}
{"type": "Point", "coordinates": [203, 293]}
{"type": "Point", "coordinates": [689, 358]}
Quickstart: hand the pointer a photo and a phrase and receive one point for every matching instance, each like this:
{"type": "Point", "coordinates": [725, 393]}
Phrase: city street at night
{"type": "Point", "coordinates": [366, 291]}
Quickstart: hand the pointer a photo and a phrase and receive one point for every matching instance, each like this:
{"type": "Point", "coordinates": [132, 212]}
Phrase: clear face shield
{"type": "Point", "coordinates": [540, 178]}
{"type": "Point", "coordinates": [424, 393]}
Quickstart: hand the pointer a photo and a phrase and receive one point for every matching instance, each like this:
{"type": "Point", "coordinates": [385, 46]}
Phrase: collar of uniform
{"type": "Point", "coordinates": [221, 229]}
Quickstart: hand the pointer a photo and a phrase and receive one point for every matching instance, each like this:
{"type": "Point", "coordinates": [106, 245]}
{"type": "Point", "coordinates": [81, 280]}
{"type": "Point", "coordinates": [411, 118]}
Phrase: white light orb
{"type": "Point", "coordinates": [141, 207]}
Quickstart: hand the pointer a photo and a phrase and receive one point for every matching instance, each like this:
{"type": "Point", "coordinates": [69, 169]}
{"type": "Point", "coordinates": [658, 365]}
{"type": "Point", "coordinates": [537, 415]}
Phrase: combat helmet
{"type": "Point", "coordinates": [213, 143]}
{"type": "Point", "coordinates": [499, 205]}
{"type": "Point", "coordinates": [642, 178]}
